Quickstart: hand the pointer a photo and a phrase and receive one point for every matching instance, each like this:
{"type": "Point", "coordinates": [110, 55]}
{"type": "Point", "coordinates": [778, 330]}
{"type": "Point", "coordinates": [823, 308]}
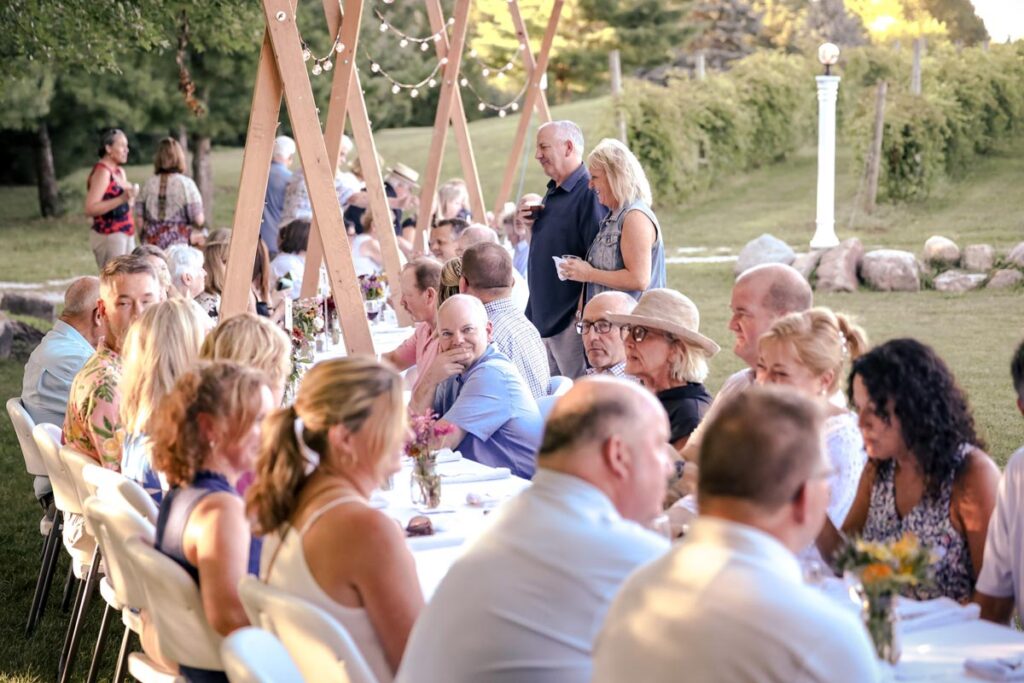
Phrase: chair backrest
{"type": "Point", "coordinates": [132, 496]}
{"type": "Point", "coordinates": [252, 655]}
{"type": "Point", "coordinates": [113, 526]}
{"type": "Point", "coordinates": [97, 477]}
{"type": "Point", "coordinates": [183, 634]}
{"type": "Point", "coordinates": [65, 496]}
{"type": "Point", "coordinates": [23, 425]}
{"type": "Point", "coordinates": [322, 648]}
{"type": "Point", "coordinates": [559, 385]}
{"type": "Point", "coordinates": [75, 462]}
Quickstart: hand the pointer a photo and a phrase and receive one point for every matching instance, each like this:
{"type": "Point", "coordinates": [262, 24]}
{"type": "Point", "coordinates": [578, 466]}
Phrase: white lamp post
{"type": "Point", "coordinates": [828, 90]}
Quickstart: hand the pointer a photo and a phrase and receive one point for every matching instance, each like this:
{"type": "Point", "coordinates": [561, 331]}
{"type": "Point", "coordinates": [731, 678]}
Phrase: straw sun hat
{"type": "Point", "coordinates": [405, 173]}
{"type": "Point", "coordinates": [669, 311]}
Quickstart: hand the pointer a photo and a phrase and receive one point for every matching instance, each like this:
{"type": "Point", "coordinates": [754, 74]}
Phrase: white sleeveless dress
{"type": "Point", "coordinates": [289, 572]}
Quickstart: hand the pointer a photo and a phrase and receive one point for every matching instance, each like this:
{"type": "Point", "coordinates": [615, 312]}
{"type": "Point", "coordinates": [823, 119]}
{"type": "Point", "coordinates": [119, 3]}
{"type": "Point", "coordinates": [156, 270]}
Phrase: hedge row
{"type": "Point", "coordinates": [691, 132]}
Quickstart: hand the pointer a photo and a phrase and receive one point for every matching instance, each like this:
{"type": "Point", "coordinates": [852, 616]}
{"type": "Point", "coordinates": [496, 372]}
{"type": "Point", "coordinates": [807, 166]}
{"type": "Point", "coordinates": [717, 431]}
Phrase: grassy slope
{"type": "Point", "coordinates": [975, 333]}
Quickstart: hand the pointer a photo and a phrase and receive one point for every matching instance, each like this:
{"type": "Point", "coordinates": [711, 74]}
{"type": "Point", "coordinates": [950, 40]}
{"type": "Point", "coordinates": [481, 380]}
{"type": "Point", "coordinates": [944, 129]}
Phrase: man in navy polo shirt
{"type": "Point", "coordinates": [477, 390]}
{"type": "Point", "coordinates": [566, 225]}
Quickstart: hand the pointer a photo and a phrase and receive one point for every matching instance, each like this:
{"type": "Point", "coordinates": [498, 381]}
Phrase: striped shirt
{"type": "Point", "coordinates": [516, 337]}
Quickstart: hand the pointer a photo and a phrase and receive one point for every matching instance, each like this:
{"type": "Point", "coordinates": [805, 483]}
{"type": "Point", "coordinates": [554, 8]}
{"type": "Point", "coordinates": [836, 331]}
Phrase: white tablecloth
{"type": "Point", "coordinates": [455, 522]}
{"type": "Point", "coordinates": [386, 338]}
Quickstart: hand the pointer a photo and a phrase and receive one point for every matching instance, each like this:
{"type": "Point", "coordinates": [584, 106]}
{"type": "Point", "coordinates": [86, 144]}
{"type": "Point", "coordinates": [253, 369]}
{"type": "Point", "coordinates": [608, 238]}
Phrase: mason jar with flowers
{"type": "Point", "coordinates": [427, 432]}
{"type": "Point", "coordinates": [374, 289]}
{"type": "Point", "coordinates": [882, 571]}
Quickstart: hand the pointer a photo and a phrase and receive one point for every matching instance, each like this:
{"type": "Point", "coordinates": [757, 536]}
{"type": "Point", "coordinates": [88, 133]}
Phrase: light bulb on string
{"type": "Point", "coordinates": [414, 93]}
{"type": "Point", "coordinates": [383, 27]}
{"type": "Point", "coordinates": [472, 53]}
{"type": "Point", "coordinates": [444, 61]}
{"type": "Point", "coordinates": [424, 47]}
{"type": "Point", "coordinates": [339, 48]}
{"type": "Point", "coordinates": [374, 67]}
{"type": "Point", "coordinates": [485, 72]}
{"type": "Point", "coordinates": [316, 69]}
{"type": "Point", "coordinates": [395, 89]}
{"type": "Point", "coordinates": [306, 55]}
{"type": "Point", "coordinates": [514, 106]}
{"type": "Point", "coordinates": [403, 43]}
{"type": "Point", "coordinates": [437, 37]}
{"type": "Point", "coordinates": [328, 65]}
{"type": "Point", "coordinates": [432, 83]}
{"type": "Point", "coordinates": [464, 82]}
{"type": "Point", "coordinates": [501, 113]}
{"type": "Point", "coordinates": [481, 106]}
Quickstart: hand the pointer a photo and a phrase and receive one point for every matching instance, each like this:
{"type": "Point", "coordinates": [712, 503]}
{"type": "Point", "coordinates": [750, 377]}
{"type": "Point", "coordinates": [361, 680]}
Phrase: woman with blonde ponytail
{"type": "Point", "coordinates": [809, 351]}
{"type": "Point", "coordinates": [319, 463]}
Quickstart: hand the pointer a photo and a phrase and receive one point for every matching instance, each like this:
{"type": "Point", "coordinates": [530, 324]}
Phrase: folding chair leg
{"type": "Point", "coordinates": [101, 641]}
{"type": "Point", "coordinates": [80, 616]}
{"type": "Point", "coordinates": [65, 601]}
{"type": "Point", "coordinates": [71, 629]}
{"type": "Point", "coordinates": [45, 569]}
{"type": "Point", "coordinates": [51, 569]}
{"type": "Point", "coordinates": [122, 656]}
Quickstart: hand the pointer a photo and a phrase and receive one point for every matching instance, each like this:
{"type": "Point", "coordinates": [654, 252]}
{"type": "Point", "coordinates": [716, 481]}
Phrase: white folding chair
{"type": "Point", "coordinates": [130, 495]}
{"type": "Point", "coordinates": [23, 426]}
{"type": "Point", "coordinates": [321, 647]}
{"type": "Point", "coordinates": [173, 602]}
{"type": "Point", "coordinates": [120, 588]}
{"type": "Point", "coordinates": [252, 655]}
{"type": "Point", "coordinates": [34, 465]}
{"type": "Point", "coordinates": [65, 498]}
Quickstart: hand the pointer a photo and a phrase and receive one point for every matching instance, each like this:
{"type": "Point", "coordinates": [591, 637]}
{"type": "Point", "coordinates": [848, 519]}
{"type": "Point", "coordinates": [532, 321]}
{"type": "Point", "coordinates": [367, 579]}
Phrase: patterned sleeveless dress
{"type": "Point", "coordinates": [929, 521]}
{"type": "Point", "coordinates": [118, 219]}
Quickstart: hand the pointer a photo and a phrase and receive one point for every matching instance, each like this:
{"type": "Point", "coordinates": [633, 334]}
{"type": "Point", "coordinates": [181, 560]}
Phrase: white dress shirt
{"type": "Point", "coordinates": [729, 604]}
{"type": "Point", "coordinates": [526, 600]}
{"type": "Point", "coordinates": [1002, 569]}
{"type": "Point", "coordinates": [50, 370]}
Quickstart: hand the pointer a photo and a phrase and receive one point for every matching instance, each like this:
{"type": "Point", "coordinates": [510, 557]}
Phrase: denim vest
{"type": "Point", "coordinates": [606, 251]}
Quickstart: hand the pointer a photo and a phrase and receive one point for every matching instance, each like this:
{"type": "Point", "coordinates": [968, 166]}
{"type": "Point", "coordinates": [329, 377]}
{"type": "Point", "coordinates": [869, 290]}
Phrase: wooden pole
{"type": "Point", "coordinates": [615, 71]}
{"type": "Point", "coordinates": [875, 153]}
{"type": "Point", "coordinates": [528, 59]}
{"type": "Point", "coordinates": [365, 146]}
{"type": "Point", "coordinates": [449, 85]}
{"type": "Point", "coordinates": [915, 69]}
{"type": "Point", "coordinates": [252, 185]}
{"type": "Point", "coordinates": [344, 67]}
{"type": "Point", "coordinates": [461, 128]}
{"type": "Point", "coordinates": [534, 94]}
{"type": "Point", "coordinates": [319, 173]}
{"type": "Point", "coordinates": [702, 72]}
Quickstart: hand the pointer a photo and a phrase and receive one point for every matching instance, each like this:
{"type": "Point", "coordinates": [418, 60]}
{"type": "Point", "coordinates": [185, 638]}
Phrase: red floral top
{"type": "Point", "coordinates": [118, 219]}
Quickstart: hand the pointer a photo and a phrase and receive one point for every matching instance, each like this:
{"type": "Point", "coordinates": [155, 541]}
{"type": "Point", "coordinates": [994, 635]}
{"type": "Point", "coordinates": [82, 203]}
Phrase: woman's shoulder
{"type": "Point", "coordinates": [978, 471]}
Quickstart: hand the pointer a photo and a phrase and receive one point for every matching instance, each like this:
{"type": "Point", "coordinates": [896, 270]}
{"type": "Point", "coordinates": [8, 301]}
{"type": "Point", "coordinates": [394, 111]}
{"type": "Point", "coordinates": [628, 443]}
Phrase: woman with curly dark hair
{"type": "Point", "coordinates": [927, 473]}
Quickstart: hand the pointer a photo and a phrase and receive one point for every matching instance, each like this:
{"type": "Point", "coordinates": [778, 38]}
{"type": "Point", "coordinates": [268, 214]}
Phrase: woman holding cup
{"type": "Point", "coordinates": [109, 199]}
{"type": "Point", "coordinates": [628, 253]}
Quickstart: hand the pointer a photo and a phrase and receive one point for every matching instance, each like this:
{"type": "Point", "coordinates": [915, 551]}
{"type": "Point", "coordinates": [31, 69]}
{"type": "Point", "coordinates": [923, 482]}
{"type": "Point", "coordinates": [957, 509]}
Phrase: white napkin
{"type": "Point", "coordinates": [437, 540]}
{"type": "Point", "coordinates": [448, 455]}
{"type": "Point", "coordinates": [558, 267]}
{"type": "Point", "coordinates": [1001, 669]}
{"type": "Point", "coordinates": [468, 477]}
{"type": "Point", "coordinates": [918, 615]}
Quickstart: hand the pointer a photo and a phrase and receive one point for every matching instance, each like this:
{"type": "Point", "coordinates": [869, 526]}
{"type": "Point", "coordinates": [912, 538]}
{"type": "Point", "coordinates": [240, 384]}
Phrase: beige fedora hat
{"type": "Point", "coordinates": [405, 173]}
{"type": "Point", "coordinates": [669, 311]}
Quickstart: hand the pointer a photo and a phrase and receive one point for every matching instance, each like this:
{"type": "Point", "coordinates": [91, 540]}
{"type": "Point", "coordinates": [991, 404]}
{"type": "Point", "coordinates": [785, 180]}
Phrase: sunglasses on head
{"type": "Point", "coordinates": [638, 333]}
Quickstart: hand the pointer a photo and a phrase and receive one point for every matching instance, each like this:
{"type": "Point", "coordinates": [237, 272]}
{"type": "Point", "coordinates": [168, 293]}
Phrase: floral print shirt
{"type": "Point", "coordinates": [93, 421]}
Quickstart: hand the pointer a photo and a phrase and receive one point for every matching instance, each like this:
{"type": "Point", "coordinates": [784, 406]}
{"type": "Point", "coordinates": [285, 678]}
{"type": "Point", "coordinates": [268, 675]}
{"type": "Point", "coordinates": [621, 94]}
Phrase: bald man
{"type": "Point", "coordinates": [529, 596]}
{"type": "Point", "coordinates": [480, 234]}
{"type": "Point", "coordinates": [478, 392]}
{"type": "Point", "coordinates": [62, 353]}
{"type": "Point", "coordinates": [760, 296]}
{"type": "Point", "coordinates": [602, 340]}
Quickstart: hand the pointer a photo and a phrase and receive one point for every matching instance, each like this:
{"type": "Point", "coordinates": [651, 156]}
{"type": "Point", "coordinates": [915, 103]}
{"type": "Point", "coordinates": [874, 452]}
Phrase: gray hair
{"type": "Point", "coordinates": [477, 233]}
{"type": "Point", "coordinates": [346, 144]}
{"type": "Point", "coordinates": [568, 132]}
{"type": "Point", "coordinates": [690, 364]}
{"type": "Point", "coordinates": [284, 146]}
{"type": "Point", "coordinates": [182, 259]}
{"type": "Point", "coordinates": [81, 296]}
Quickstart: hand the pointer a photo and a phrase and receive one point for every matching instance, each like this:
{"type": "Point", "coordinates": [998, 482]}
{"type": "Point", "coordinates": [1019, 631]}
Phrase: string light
{"type": "Point", "coordinates": [501, 109]}
{"type": "Point", "coordinates": [487, 70]}
{"type": "Point", "coordinates": [397, 86]}
{"type": "Point", "coordinates": [322, 64]}
{"type": "Point", "coordinates": [405, 39]}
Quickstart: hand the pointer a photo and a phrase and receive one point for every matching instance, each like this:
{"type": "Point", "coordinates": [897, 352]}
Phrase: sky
{"type": "Point", "coordinates": [1002, 18]}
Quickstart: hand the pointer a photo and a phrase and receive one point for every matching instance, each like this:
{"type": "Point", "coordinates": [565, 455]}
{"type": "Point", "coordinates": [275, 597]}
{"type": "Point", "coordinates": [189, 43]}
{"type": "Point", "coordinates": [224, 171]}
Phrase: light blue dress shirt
{"type": "Point", "coordinates": [50, 370]}
{"type": "Point", "coordinates": [527, 599]}
{"type": "Point", "coordinates": [492, 404]}
{"type": "Point", "coordinates": [273, 203]}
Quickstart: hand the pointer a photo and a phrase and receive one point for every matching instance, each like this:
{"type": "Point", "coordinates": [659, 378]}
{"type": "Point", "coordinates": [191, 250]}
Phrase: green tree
{"type": "Point", "coordinates": [963, 24]}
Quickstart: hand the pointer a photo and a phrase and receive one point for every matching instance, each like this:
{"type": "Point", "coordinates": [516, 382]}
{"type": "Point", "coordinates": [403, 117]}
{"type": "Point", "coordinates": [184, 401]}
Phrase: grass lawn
{"type": "Point", "coordinates": [975, 332]}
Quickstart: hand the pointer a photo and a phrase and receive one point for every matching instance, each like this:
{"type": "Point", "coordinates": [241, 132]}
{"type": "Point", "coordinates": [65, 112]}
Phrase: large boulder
{"type": "Point", "coordinates": [891, 270]}
{"type": "Point", "coordinates": [806, 263]}
{"type": "Point", "coordinates": [837, 270]}
{"type": "Point", "coordinates": [765, 249]}
{"type": "Point", "coordinates": [29, 304]}
{"type": "Point", "coordinates": [978, 258]}
{"type": "Point", "coordinates": [958, 281]}
{"type": "Point", "coordinates": [941, 251]}
{"type": "Point", "coordinates": [1005, 278]}
{"type": "Point", "coordinates": [1016, 255]}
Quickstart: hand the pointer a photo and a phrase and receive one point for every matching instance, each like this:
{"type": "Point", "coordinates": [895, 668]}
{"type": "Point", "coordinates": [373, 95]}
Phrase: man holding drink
{"type": "Point", "coordinates": [564, 224]}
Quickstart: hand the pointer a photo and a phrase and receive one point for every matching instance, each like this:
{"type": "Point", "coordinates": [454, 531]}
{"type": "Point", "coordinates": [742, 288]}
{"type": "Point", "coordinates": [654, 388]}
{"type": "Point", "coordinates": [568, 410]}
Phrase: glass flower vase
{"type": "Point", "coordinates": [425, 484]}
{"type": "Point", "coordinates": [878, 610]}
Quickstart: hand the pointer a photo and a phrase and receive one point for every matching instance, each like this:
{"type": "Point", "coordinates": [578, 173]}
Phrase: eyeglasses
{"type": "Point", "coordinates": [599, 326]}
{"type": "Point", "coordinates": [639, 333]}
